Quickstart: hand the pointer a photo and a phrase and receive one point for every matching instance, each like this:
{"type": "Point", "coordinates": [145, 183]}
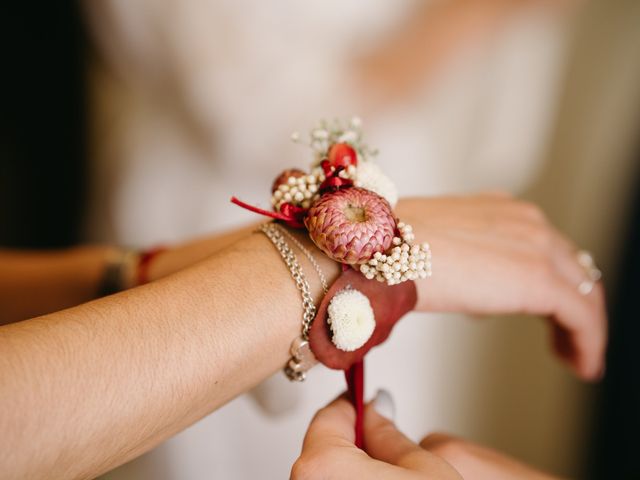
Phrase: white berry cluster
{"type": "Point", "coordinates": [402, 262]}
{"type": "Point", "coordinates": [300, 191]}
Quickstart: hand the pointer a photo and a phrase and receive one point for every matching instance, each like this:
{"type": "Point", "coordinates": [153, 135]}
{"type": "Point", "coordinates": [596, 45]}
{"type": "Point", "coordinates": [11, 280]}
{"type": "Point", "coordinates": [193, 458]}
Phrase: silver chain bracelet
{"type": "Point", "coordinates": [309, 255]}
{"type": "Point", "coordinates": [302, 359]}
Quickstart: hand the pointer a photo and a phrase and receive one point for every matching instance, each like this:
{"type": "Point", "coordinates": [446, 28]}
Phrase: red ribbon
{"type": "Point", "coordinates": [290, 214]}
{"type": "Point", "coordinates": [355, 387]}
{"type": "Point", "coordinates": [389, 304]}
{"type": "Point", "coordinates": [142, 270]}
{"type": "Point", "coordinates": [333, 180]}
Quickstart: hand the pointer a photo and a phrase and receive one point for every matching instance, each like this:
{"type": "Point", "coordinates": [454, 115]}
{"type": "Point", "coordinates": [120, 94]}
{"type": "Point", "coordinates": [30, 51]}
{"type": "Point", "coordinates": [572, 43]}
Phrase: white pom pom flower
{"type": "Point", "coordinates": [370, 176]}
{"type": "Point", "coordinates": [351, 319]}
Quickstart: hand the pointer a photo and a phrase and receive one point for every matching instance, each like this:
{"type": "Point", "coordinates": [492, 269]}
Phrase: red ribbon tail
{"type": "Point", "coordinates": [355, 386]}
{"type": "Point", "coordinates": [251, 208]}
{"type": "Point", "coordinates": [291, 217]}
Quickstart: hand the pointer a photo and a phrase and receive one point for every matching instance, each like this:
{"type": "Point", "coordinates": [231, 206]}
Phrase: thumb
{"type": "Point", "coordinates": [383, 441]}
{"type": "Point", "coordinates": [332, 426]}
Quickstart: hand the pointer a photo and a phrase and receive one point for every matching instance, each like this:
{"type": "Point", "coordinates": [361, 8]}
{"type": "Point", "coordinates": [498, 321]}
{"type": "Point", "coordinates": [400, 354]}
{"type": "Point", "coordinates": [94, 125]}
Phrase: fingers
{"type": "Point", "coordinates": [580, 331]}
{"type": "Point", "coordinates": [580, 334]}
{"type": "Point", "coordinates": [329, 452]}
{"type": "Point", "coordinates": [580, 337]}
{"type": "Point", "coordinates": [477, 462]}
{"type": "Point", "coordinates": [386, 443]}
{"type": "Point", "coordinates": [594, 326]}
{"type": "Point", "coordinates": [580, 328]}
{"type": "Point", "coordinates": [332, 426]}
{"type": "Point", "coordinates": [497, 255]}
{"type": "Point", "coordinates": [580, 323]}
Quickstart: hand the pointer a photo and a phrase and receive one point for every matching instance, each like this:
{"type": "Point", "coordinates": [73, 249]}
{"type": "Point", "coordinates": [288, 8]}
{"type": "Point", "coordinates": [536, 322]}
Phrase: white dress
{"type": "Point", "coordinates": [195, 101]}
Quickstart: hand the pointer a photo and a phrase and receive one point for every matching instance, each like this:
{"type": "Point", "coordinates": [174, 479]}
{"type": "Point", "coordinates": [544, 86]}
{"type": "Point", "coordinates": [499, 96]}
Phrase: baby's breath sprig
{"type": "Point", "coordinates": [327, 133]}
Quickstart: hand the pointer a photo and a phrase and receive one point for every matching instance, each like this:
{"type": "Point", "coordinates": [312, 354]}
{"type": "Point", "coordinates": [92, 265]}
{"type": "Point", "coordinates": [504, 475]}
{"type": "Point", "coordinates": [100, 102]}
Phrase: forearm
{"type": "Point", "coordinates": [34, 283]}
{"type": "Point", "coordinates": [180, 256]}
{"type": "Point", "coordinates": [410, 211]}
{"type": "Point", "coordinates": [115, 377]}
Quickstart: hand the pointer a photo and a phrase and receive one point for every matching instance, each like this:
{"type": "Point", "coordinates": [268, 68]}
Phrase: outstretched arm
{"type": "Point", "coordinates": [61, 279]}
{"type": "Point", "coordinates": [88, 388]}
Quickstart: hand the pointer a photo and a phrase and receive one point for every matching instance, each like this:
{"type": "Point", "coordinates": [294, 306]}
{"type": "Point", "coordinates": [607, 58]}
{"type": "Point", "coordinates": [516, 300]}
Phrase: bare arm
{"type": "Point", "coordinates": [86, 389]}
{"type": "Point", "coordinates": [61, 279]}
{"type": "Point", "coordinates": [36, 282]}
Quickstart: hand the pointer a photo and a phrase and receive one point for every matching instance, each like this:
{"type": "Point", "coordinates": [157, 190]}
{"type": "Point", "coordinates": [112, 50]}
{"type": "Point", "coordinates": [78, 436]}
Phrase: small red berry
{"type": "Point", "coordinates": [284, 177]}
{"type": "Point", "coordinates": [342, 155]}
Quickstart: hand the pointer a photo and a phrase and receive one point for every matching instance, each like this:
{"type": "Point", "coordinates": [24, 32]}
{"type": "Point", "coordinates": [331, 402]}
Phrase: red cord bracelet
{"type": "Point", "coordinates": [146, 257]}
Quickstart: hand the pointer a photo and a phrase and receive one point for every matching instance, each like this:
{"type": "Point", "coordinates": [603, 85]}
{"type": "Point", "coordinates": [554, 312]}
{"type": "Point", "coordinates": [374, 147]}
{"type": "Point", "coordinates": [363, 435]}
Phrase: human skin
{"type": "Point", "coordinates": [96, 385]}
{"type": "Point", "coordinates": [65, 278]}
{"type": "Point", "coordinates": [417, 52]}
{"type": "Point", "coordinates": [494, 254]}
{"type": "Point", "coordinates": [329, 452]}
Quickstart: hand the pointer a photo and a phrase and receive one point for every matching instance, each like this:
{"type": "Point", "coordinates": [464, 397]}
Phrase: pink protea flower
{"type": "Point", "coordinates": [351, 224]}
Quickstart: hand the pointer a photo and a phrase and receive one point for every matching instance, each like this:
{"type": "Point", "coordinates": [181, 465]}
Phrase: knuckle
{"type": "Point", "coordinates": [452, 449]}
{"type": "Point", "coordinates": [299, 470]}
{"type": "Point", "coordinates": [531, 211]}
{"type": "Point", "coordinates": [536, 235]}
{"type": "Point", "coordinates": [541, 269]}
{"type": "Point", "coordinates": [542, 238]}
{"type": "Point", "coordinates": [434, 440]}
{"type": "Point", "coordinates": [307, 468]}
{"type": "Point", "coordinates": [386, 432]}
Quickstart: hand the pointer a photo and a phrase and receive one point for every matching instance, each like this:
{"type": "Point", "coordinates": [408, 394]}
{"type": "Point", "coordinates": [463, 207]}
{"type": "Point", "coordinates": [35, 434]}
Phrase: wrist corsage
{"type": "Point", "coordinates": [345, 203]}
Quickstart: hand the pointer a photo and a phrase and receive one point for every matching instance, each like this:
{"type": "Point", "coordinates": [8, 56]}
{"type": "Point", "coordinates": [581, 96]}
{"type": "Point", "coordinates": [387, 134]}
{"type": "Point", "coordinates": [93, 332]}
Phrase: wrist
{"type": "Point", "coordinates": [345, 203]}
{"type": "Point", "coordinates": [411, 211]}
{"type": "Point", "coordinates": [118, 270]}
{"type": "Point", "coordinates": [329, 268]}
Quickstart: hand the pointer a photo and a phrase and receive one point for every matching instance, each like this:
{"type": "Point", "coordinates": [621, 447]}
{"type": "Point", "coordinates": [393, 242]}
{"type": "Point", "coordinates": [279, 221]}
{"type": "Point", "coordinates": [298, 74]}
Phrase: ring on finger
{"type": "Point", "coordinates": [585, 260]}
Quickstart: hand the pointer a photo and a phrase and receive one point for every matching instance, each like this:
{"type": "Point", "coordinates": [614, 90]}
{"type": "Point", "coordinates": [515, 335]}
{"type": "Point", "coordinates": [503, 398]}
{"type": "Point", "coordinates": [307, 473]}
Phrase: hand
{"type": "Point", "coordinates": [329, 451]}
{"type": "Point", "coordinates": [493, 254]}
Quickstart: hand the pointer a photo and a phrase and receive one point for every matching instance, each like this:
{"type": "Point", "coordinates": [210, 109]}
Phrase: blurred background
{"type": "Point", "coordinates": [134, 122]}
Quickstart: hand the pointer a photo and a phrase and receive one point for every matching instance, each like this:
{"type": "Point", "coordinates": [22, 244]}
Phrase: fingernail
{"type": "Point", "coordinates": [384, 405]}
